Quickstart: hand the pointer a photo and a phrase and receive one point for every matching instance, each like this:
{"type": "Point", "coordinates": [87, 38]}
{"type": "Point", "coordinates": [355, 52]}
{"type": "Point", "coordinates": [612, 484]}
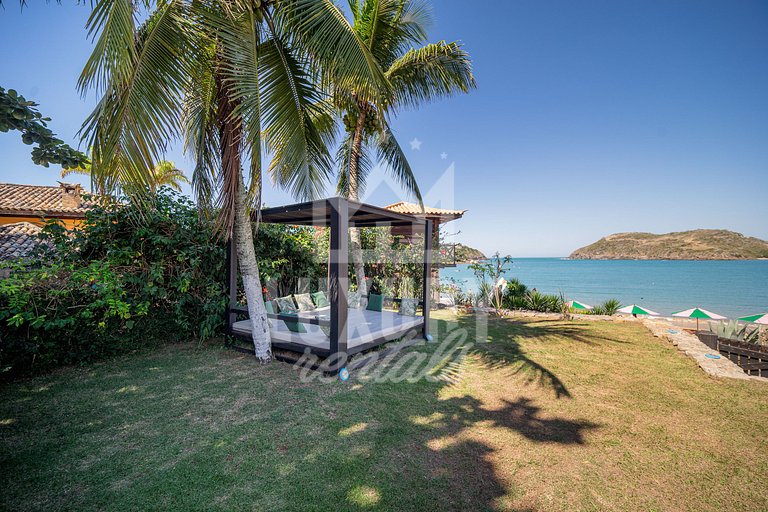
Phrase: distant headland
{"type": "Point", "coordinates": [699, 244]}
{"type": "Point", "coordinates": [466, 254]}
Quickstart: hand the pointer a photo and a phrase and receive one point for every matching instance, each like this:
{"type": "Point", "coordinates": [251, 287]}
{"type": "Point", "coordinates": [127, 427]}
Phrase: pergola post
{"type": "Point", "coordinates": [338, 273]}
{"type": "Point", "coordinates": [231, 315]}
{"type": "Point", "coordinates": [427, 274]}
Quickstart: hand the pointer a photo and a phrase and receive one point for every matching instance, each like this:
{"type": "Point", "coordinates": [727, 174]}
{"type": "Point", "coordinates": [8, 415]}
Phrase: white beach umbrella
{"type": "Point", "coordinates": [761, 318]}
{"type": "Point", "coordinates": [574, 304]}
{"type": "Point", "coordinates": [698, 313]}
{"type": "Point", "coordinates": [634, 309]}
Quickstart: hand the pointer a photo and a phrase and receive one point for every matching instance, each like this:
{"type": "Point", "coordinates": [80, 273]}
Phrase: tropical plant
{"type": "Point", "coordinates": [391, 30]}
{"type": "Point", "coordinates": [489, 276]}
{"type": "Point", "coordinates": [734, 330]}
{"type": "Point", "coordinates": [112, 288]}
{"type": "Point", "coordinates": [164, 174]}
{"type": "Point", "coordinates": [233, 78]}
{"type": "Point", "coordinates": [287, 263]}
{"type": "Point", "coordinates": [608, 308]}
{"type": "Point", "coordinates": [544, 303]}
{"type": "Point", "coordinates": [18, 113]}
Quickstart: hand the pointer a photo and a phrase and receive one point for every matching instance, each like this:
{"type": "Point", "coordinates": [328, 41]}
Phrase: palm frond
{"type": "Point", "coordinates": [434, 71]}
{"type": "Point", "coordinates": [241, 33]}
{"type": "Point", "coordinates": [133, 122]}
{"type": "Point", "coordinates": [114, 52]}
{"type": "Point", "coordinates": [390, 27]}
{"type": "Point", "coordinates": [297, 122]}
{"type": "Point", "coordinates": [200, 128]}
{"type": "Point", "coordinates": [319, 29]}
{"type": "Point", "coordinates": [364, 166]}
{"type": "Point", "coordinates": [389, 150]}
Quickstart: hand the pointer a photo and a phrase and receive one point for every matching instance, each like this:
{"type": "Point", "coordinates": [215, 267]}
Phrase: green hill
{"type": "Point", "coordinates": [699, 244]}
{"type": "Point", "coordinates": [465, 254]}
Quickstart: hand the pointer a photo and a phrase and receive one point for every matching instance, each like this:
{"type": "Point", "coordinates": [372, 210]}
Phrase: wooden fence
{"type": "Point", "coordinates": [752, 358]}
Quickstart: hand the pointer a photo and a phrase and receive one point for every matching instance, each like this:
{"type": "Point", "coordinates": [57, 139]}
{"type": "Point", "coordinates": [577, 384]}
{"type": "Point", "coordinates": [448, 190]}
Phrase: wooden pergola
{"type": "Point", "coordinates": [339, 214]}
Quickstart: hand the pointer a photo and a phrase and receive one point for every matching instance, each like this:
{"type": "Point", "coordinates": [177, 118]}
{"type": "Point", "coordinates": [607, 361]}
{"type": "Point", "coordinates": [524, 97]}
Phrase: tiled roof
{"type": "Point", "coordinates": [18, 240]}
{"type": "Point", "coordinates": [39, 200]}
{"type": "Point", "coordinates": [415, 209]}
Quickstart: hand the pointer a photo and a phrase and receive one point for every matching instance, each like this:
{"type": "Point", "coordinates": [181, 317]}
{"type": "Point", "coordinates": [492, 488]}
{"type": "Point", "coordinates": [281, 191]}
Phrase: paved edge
{"type": "Point", "coordinates": [692, 347]}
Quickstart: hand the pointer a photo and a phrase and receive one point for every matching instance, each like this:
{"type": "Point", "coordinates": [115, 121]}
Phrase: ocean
{"type": "Point", "coordinates": [730, 288]}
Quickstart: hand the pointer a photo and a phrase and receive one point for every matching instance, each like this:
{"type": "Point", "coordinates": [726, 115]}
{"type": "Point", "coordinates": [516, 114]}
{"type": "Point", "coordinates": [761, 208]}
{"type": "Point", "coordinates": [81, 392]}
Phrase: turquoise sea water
{"type": "Point", "coordinates": [731, 288]}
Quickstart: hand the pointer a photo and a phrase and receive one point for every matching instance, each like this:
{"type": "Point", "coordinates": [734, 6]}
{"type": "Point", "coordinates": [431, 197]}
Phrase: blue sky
{"type": "Point", "coordinates": [590, 117]}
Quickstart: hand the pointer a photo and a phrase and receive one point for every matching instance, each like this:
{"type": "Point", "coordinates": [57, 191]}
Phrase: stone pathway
{"type": "Point", "coordinates": [690, 345]}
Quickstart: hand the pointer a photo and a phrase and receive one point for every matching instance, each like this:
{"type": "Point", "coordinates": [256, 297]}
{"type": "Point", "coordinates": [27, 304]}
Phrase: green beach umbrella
{"type": "Point", "coordinates": [578, 305]}
{"type": "Point", "coordinates": [756, 319]}
{"type": "Point", "coordinates": [634, 309]}
{"type": "Point", "coordinates": [698, 313]}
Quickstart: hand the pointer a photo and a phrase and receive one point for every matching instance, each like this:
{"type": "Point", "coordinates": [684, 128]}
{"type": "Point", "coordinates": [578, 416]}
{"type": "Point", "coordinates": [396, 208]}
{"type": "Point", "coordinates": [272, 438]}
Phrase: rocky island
{"type": "Point", "coordinates": [699, 244]}
{"type": "Point", "coordinates": [466, 254]}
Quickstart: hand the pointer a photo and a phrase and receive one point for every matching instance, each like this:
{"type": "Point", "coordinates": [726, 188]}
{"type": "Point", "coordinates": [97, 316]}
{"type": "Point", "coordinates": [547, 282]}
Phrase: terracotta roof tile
{"type": "Point", "coordinates": [37, 199]}
{"type": "Point", "coordinates": [18, 240]}
{"type": "Point", "coordinates": [415, 209]}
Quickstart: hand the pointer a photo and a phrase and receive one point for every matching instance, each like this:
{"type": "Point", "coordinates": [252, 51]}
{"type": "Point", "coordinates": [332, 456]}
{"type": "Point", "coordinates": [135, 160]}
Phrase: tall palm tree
{"type": "Point", "coordinates": [394, 32]}
{"type": "Point", "coordinates": [163, 174]}
{"type": "Point", "coordinates": [232, 78]}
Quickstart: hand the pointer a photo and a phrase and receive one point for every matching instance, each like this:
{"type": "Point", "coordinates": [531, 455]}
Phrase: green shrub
{"type": "Point", "coordinates": [544, 303]}
{"type": "Point", "coordinates": [609, 308]}
{"type": "Point", "coordinates": [133, 275]}
{"type": "Point", "coordinates": [287, 258]}
{"type": "Point", "coordinates": [515, 295]}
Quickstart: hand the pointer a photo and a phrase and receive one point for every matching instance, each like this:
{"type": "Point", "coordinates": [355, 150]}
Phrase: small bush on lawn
{"type": "Point", "coordinates": [609, 308]}
{"type": "Point", "coordinates": [133, 275]}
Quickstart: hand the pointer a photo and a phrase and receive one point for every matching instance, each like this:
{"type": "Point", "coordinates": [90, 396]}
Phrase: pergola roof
{"type": "Point", "coordinates": [318, 213]}
{"type": "Point", "coordinates": [443, 214]}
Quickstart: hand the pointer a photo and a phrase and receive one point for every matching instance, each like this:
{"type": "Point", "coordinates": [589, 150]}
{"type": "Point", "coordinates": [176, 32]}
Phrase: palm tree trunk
{"type": "Point", "coordinates": [231, 143]}
{"type": "Point", "coordinates": [354, 183]}
{"type": "Point", "coordinates": [249, 270]}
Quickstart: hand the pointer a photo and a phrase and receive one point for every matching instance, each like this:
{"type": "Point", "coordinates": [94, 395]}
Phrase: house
{"type": "Point", "coordinates": [24, 209]}
{"type": "Point", "coordinates": [35, 204]}
{"type": "Point", "coordinates": [445, 253]}
{"type": "Point", "coordinates": [18, 240]}
{"type": "Point", "coordinates": [436, 215]}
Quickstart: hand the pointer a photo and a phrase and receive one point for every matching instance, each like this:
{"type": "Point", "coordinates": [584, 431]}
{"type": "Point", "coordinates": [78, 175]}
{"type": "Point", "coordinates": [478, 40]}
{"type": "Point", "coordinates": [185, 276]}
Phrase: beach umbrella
{"type": "Point", "coordinates": [756, 319]}
{"type": "Point", "coordinates": [698, 313]}
{"type": "Point", "coordinates": [578, 305]}
{"type": "Point", "coordinates": [634, 309]}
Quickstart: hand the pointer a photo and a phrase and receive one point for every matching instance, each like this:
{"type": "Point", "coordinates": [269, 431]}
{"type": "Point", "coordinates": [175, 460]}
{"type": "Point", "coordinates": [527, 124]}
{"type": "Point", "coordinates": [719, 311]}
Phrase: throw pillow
{"type": "Point", "coordinates": [304, 301]}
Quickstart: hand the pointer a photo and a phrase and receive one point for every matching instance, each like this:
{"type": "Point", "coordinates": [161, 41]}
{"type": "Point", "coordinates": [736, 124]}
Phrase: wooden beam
{"type": "Point", "coordinates": [231, 315]}
{"type": "Point", "coordinates": [338, 285]}
{"type": "Point", "coordinates": [427, 274]}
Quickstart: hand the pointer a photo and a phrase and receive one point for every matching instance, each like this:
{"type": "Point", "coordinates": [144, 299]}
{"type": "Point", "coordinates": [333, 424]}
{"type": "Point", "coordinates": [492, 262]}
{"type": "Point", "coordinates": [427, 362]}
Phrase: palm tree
{"type": "Point", "coordinates": [390, 29]}
{"type": "Point", "coordinates": [164, 174]}
{"type": "Point", "coordinates": [232, 78]}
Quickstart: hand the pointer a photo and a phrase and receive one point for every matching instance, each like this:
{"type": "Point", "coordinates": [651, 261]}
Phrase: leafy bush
{"type": "Point", "coordinates": [609, 308]}
{"type": "Point", "coordinates": [544, 303]}
{"type": "Point", "coordinates": [515, 295]}
{"type": "Point", "coordinates": [133, 275]}
{"type": "Point", "coordinates": [287, 259]}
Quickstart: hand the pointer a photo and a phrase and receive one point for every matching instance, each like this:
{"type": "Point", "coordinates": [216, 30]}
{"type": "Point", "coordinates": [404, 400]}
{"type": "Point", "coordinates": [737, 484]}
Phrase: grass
{"type": "Point", "coordinates": [547, 415]}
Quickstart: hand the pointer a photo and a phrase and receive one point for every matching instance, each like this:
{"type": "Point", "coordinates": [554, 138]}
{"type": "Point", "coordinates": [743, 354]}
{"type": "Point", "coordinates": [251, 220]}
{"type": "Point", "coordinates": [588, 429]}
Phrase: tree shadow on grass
{"type": "Point", "coordinates": [191, 429]}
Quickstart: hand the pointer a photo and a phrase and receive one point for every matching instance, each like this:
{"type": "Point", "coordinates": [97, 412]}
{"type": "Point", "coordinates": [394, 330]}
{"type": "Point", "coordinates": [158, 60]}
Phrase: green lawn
{"type": "Point", "coordinates": [549, 415]}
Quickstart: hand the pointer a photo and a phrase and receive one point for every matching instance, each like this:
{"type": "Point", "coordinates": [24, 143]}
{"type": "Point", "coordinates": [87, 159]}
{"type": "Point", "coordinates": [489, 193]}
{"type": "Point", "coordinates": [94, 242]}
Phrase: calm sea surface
{"type": "Point", "coordinates": [731, 288]}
